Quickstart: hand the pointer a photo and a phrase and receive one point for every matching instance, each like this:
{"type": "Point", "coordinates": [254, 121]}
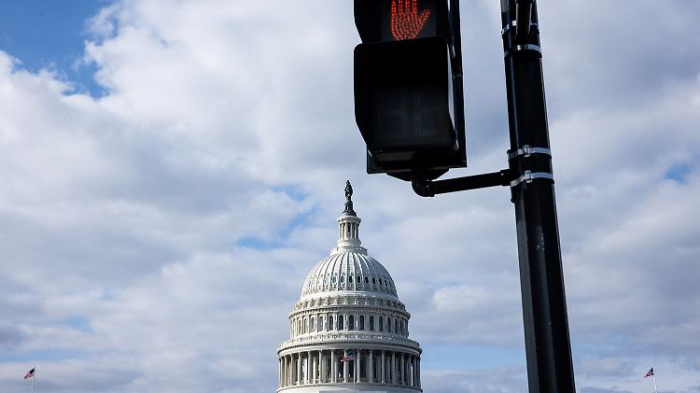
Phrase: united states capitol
{"type": "Point", "coordinates": [349, 331]}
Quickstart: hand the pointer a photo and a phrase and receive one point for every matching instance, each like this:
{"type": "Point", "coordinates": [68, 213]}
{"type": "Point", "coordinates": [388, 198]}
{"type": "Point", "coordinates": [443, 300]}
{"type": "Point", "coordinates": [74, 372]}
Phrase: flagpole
{"type": "Point", "coordinates": [655, 391]}
{"type": "Point", "coordinates": [33, 380]}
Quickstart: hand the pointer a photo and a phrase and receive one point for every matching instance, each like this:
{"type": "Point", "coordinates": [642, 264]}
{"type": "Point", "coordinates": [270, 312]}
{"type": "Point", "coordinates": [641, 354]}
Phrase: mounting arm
{"type": "Point", "coordinates": [429, 188]}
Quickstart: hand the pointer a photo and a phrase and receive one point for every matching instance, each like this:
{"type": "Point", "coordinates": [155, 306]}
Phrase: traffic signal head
{"type": "Point", "coordinates": [397, 20]}
{"type": "Point", "coordinates": [404, 104]}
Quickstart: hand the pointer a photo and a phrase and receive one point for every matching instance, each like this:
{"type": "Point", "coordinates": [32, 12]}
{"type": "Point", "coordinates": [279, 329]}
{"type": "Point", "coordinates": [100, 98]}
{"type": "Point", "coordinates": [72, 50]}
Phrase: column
{"type": "Point", "coordinates": [358, 357]}
{"type": "Point", "coordinates": [345, 367]}
{"type": "Point", "coordinates": [408, 370]}
{"type": "Point", "coordinates": [418, 371]}
{"type": "Point", "coordinates": [383, 370]}
{"type": "Point", "coordinates": [370, 373]}
{"type": "Point", "coordinates": [393, 367]}
{"type": "Point", "coordinates": [321, 368]}
{"type": "Point", "coordinates": [298, 369]}
{"type": "Point", "coordinates": [411, 371]}
{"type": "Point", "coordinates": [402, 363]}
{"type": "Point", "coordinates": [334, 367]}
{"type": "Point", "coordinates": [415, 370]}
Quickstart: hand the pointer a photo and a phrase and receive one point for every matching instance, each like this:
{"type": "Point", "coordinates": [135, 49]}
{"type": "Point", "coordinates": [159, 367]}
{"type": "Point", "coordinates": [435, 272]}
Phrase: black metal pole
{"type": "Point", "coordinates": [547, 344]}
{"type": "Point", "coordinates": [457, 71]}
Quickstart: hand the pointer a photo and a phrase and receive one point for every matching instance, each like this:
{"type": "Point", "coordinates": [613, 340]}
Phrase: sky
{"type": "Point", "coordinates": [170, 171]}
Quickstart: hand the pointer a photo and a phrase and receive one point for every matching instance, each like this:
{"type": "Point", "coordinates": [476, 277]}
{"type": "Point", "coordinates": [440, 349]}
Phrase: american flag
{"type": "Point", "coordinates": [30, 373]}
{"type": "Point", "coordinates": [649, 373]}
{"type": "Point", "coordinates": [350, 356]}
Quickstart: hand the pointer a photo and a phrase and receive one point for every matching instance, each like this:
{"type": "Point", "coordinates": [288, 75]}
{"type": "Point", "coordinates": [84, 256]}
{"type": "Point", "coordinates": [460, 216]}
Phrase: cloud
{"type": "Point", "coordinates": [156, 237]}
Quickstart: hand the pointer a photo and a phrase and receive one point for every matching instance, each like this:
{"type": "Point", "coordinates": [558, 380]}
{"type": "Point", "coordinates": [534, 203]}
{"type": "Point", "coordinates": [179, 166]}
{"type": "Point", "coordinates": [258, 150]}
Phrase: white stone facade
{"type": "Point", "coordinates": [349, 306]}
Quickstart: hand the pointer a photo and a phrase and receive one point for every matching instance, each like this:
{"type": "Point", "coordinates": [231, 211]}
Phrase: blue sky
{"type": "Point", "coordinates": [171, 171]}
{"type": "Point", "coordinates": [46, 34]}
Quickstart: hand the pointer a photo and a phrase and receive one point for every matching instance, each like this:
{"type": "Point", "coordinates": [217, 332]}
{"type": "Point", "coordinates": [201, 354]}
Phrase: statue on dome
{"type": "Point", "coordinates": [348, 199]}
{"type": "Point", "coordinates": [348, 190]}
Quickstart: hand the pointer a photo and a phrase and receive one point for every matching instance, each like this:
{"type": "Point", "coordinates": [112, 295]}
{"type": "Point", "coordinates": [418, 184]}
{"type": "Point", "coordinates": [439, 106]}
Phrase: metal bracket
{"type": "Point", "coordinates": [529, 176]}
{"type": "Point", "coordinates": [513, 24]}
{"type": "Point", "coordinates": [522, 48]}
{"type": "Point", "coordinates": [526, 151]}
{"type": "Point", "coordinates": [508, 27]}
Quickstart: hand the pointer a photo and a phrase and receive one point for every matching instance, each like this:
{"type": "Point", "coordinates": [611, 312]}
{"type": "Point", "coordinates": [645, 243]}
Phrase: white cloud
{"type": "Point", "coordinates": [128, 218]}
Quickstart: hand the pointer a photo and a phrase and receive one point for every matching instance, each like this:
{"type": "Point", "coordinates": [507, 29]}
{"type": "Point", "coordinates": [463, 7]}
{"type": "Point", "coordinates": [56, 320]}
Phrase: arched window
{"type": "Point", "coordinates": [351, 323]}
{"type": "Point", "coordinates": [396, 326]}
{"type": "Point", "coordinates": [313, 325]}
{"type": "Point", "coordinates": [299, 326]}
{"type": "Point", "coordinates": [381, 324]}
{"type": "Point", "coordinates": [330, 322]}
{"type": "Point", "coordinates": [371, 323]}
{"type": "Point", "coordinates": [366, 280]}
{"type": "Point", "coordinates": [388, 325]}
{"type": "Point", "coordinates": [358, 279]}
{"type": "Point", "coordinates": [341, 325]}
{"type": "Point", "coordinates": [362, 322]}
{"type": "Point", "coordinates": [320, 323]}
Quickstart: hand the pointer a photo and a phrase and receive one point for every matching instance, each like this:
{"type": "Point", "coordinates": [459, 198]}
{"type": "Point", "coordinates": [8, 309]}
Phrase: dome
{"type": "Point", "coordinates": [348, 271]}
{"type": "Point", "coordinates": [349, 332]}
{"type": "Point", "coordinates": [348, 268]}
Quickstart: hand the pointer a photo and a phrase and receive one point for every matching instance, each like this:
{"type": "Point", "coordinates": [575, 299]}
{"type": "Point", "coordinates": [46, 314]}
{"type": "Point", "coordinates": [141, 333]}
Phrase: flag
{"type": "Point", "coordinates": [30, 373]}
{"type": "Point", "coordinates": [649, 373]}
{"type": "Point", "coordinates": [350, 356]}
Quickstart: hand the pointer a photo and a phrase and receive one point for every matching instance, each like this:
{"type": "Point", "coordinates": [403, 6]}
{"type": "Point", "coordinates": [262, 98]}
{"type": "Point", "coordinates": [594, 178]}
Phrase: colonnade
{"type": "Point", "coordinates": [367, 366]}
{"type": "Point", "coordinates": [347, 321]}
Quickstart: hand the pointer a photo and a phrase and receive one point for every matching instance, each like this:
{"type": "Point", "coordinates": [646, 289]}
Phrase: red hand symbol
{"type": "Point", "coordinates": [406, 22]}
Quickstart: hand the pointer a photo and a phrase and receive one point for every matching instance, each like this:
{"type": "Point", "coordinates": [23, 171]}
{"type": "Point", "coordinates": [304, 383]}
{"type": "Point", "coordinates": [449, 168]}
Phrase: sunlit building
{"type": "Point", "coordinates": [349, 330]}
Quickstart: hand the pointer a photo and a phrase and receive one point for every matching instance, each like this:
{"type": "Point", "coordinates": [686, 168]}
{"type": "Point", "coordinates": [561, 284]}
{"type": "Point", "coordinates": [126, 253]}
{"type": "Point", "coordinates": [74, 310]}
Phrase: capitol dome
{"type": "Point", "coordinates": [349, 330]}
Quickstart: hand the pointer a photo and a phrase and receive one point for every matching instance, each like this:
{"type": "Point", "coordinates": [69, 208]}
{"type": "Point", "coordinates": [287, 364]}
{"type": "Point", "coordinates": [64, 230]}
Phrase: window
{"type": "Point", "coordinates": [320, 323]}
{"type": "Point", "coordinates": [358, 279]}
{"type": "Point", "coordinates": [330, 322]}
{"type": "Point", "coordinates": [374, 280]}
{"type": "Point", "coordinates": [341, 325]}
{"type": "Point", "coordinates": [313, 324]}
{"type": "Point", "coordinates": [362, 322]}
{"type": "Point", "coordinates": [396, 326]}
{"type": "Point", "coordinates": [351, 322]}
{"type": "Point", "coordinates": [366, 280]}
{"type": "Point", "coordinates": [388, 325]}
{"type": "Point", "coordinates": [381, 324]}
